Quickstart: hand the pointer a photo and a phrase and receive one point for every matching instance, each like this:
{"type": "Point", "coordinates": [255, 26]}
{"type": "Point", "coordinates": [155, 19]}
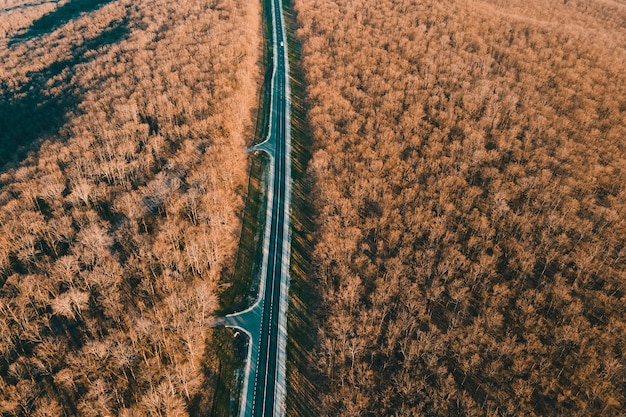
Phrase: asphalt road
{"type": "Point", "coordinates": [265, 322]}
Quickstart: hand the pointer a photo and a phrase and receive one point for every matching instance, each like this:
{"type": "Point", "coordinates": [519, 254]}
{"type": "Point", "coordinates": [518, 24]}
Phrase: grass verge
{"type": "Point", "coordinates": [242, 289]}
{"type": "Point", "coordinates": [263, 114]}
{"type": "Point", "coordinates": [223, 371]}
{"type": "Point", "coordinates": [231, 352]}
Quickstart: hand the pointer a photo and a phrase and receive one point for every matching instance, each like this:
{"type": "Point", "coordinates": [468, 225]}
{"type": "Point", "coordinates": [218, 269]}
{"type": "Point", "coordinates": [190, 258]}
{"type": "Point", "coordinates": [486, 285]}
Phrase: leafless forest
{"type": "Point", "coordinates": [469, 171]}
{"type": "Point", "coordinates": [122, 130]}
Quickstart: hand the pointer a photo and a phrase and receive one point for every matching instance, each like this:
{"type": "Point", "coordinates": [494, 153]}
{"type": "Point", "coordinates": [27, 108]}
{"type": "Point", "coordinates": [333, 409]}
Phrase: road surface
{"type": "Point", "coordinates": [265, 322]}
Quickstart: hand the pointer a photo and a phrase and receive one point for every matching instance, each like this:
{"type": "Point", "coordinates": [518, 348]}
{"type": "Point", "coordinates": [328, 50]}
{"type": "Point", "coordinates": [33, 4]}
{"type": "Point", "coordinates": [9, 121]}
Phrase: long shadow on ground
{"type": "Point", "coordinates": [306, 311]}
{"type": "Point", "coordinates": [37, 108]}
{"type": "Point", "coordinates": [27, 5]}
{"type": "Point", "coordinates": [57, 18]}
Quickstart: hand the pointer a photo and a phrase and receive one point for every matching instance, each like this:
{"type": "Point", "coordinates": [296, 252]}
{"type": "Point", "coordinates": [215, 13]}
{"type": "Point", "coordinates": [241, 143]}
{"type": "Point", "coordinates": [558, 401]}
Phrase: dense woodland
{"type": "Point", "coordinates": [469, 171]}
{"type": "Point", "coordinates": [123, 126]}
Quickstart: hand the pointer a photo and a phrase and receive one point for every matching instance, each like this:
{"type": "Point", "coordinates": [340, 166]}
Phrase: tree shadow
{"type": "Point", "coordinates": [305, 383]}
{"type": "Point", "coordinates": [27, 5]}
{"type": "Point", "coordinates": [222, 375]}
{"type": "Point", "coordinates": [36, 109]}
{"type": "Point", "coordinates": [57, 18]}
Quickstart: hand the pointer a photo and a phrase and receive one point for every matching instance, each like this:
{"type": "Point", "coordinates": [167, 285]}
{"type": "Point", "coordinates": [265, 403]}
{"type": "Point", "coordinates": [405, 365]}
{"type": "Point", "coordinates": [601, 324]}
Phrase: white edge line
{"type": "Point", "coordinates": [244, 390]}
{"type": "Point", "coordinates": [281, 394]}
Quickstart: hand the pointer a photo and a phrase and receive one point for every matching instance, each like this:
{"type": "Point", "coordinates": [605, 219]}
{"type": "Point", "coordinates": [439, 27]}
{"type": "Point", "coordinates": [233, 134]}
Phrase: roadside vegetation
{"type": "Point", "coordinates": [468, 177]}
{"type": "Point", "coordinates": [230, 348]}
{"type": "Point", "coordinates": [304, 298]}
{"type": "Point", "coordinates": [243, 288]}
{"type": "Point", "coordinates": [123, 127]}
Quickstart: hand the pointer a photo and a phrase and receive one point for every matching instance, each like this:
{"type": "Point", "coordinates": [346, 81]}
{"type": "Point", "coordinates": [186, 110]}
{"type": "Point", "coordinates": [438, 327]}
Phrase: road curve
{"type": "Point", "coordinates": [265, 322]}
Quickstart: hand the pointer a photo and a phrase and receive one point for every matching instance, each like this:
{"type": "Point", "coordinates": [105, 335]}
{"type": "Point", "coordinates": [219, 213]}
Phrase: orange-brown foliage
{"type": "Point", "coordinates": [469, 176]}
{"type": "Point", "coordinates": [122, 133]}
